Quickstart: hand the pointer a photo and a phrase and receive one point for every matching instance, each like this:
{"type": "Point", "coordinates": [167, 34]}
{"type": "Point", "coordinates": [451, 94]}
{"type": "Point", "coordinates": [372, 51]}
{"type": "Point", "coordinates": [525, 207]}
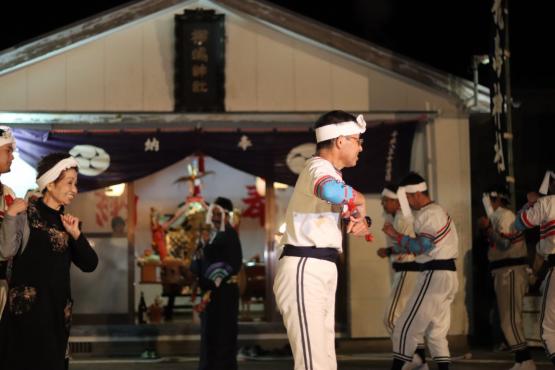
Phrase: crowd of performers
{"type": "Point", "coordinates": [422, 246]}
{"type": "Point", "coordinates": [39, 241]}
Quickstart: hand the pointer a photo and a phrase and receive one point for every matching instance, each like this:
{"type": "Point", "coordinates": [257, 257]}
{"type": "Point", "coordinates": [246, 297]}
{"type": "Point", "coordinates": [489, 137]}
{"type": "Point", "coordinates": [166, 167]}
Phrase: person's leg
{"type": "Point", "coordinates": [3, 295]}
{"type": "Point", "coordinates": [225, 351]}
{"type": "Point", "coordinates": [511, 285]}
{"type": "Point", "coordinates": [211, 322]}
{"type": "Point", "coordinates": [305, 295]}
{"type": "Point", "coordinates": [444, 289]}
{"type": "Point", "coordinates": [395, 302]}
{"type": "Point", "coordinates": [401, 291]}
{"type": "Point", "coordinates": [168, 310]}
{"type": "Point", "coordinates": [414, 320]}
{"type": "Point", "coordinates": [547, 316]}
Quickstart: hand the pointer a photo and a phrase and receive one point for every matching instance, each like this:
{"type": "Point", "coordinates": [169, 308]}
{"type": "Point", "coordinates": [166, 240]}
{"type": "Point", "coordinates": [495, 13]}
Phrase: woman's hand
{"type": "Point", "coordinates": [19, 205]}
{"type": "Point", "coordinates": [71, 224]}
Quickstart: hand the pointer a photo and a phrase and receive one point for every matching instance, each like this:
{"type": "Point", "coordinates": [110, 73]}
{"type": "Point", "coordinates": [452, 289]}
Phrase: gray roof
{"type": "Point", "coordinates": [459, 89]}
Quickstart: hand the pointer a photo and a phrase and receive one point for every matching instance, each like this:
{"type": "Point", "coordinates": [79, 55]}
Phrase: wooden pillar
{"type": "Point", "coordinates": [270, 259]}
{"type": "Point", "coordinates": [131, 226]}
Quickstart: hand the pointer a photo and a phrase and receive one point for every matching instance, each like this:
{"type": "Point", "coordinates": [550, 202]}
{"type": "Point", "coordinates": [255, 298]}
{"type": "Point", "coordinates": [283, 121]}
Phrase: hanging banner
{"type": "Point", "coordinates": [499, 56]}
{"type": "Point", "coordinates": [108, 158]}
{"type": "Point", "coordinates": [199, 61]}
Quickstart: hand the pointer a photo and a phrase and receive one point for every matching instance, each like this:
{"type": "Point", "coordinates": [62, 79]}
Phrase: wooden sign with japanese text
{"type": "Point", "coordinates": [199, 61]}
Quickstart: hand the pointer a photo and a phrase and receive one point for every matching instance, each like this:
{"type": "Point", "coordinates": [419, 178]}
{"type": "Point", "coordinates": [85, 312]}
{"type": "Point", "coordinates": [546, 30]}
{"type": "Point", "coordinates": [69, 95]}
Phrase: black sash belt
{"type": "Point", "coordinates": [406, 266]}
{"type": "Point", "coordinates": [550, 260]}
{"type": "Point", "coordinates": [328, 254]}
{"type": "Point", "coordinates": [506, 262]}
{"type": "Point", "coordinates": [3, 268]}
{"type": "Point", "coordinates": [438, 265]}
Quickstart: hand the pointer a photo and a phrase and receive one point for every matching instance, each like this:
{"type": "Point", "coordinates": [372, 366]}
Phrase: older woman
{"type": "Point", "coordinates": [44, 241]}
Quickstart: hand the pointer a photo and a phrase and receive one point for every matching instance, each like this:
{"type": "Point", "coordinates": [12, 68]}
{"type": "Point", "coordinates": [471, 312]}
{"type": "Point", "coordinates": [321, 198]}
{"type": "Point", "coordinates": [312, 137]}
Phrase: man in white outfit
{"type": "Point", "coordinates": [436, 243]}
{"type": "Point", "coordinates": [542, 214]}
{"type": "Point", "coordinates": [508, 261]}
{"type": "Point", "coordinates": [405, 270]}
{"type": "Point", "coordinates": [306, 277]}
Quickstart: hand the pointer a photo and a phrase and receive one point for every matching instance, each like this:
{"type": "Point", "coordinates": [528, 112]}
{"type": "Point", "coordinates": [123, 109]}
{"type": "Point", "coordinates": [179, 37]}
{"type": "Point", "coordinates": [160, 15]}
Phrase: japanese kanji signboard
{"type": "Point", "coordinates": [200, 61]}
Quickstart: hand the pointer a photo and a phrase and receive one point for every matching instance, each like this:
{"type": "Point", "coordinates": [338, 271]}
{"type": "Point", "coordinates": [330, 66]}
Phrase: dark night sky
{"type": "Point", "coordinates": [443, 34]}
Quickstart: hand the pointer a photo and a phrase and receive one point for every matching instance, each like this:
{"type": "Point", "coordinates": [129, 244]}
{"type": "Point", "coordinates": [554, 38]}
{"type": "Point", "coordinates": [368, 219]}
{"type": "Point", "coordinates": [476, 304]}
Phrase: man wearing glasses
{"type": "Point", "coordinates": [306, 277]}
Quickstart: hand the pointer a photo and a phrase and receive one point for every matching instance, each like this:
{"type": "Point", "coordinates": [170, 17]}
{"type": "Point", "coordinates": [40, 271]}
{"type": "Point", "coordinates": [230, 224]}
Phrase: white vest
{"type": "Point", "coordinates": [311, 221]}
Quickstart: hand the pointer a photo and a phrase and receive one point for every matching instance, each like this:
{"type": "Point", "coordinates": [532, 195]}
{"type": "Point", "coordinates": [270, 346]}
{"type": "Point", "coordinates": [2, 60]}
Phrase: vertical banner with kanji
{"type": "Point", "coordinates": [499, 62]}
{"type": "Point", "coordinates": [199, 61]}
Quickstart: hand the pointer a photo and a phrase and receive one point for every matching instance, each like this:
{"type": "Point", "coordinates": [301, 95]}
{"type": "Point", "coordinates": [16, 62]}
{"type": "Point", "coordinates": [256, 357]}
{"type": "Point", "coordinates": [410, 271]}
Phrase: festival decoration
{"type": "Point", "coordinates": [255, 205]}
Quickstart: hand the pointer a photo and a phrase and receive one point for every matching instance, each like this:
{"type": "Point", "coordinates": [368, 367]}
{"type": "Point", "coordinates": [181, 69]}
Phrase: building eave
{"type": "Point", "coordinates": [460, 90]}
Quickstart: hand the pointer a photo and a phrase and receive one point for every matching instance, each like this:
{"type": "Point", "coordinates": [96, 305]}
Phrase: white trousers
{"type": "Point", "coordinates": [305, 296]}
{"type": "Point", "coordinates": [547, 315]}
{"type": "Point", "coordinates": [511, 284]}
{"type": "Point", "coordinates": [3, 295]}
{"type": "Point", "coordinates": [401, 290]}
{"type": "Point", "coordinates": [427, 314]}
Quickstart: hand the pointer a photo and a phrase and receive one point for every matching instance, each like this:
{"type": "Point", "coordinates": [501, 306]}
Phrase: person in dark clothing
{"type": "Point", "coordinates": [44, 241]}
{"type": "Point", "coordinates": [216, 263]}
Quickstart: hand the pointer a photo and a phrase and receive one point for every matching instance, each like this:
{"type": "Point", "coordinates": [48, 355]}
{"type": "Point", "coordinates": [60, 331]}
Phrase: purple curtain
{"type": "Point", "coordinates": [108, 158]}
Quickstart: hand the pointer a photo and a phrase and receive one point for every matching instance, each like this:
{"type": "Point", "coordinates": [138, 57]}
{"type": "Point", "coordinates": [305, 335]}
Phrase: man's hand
{"type": "Point", "coordinates": [383, 252]}
{"type": "Point", "coordinates": [357, 226]}
{"type": "Point", "coordinates": [483, 223]}
{"type": "Point", "coordinates": [19, 205]}
{"type": "Point", "coordinates": [389, 230]}
{"type": "Point", "coordinates": [532, 197]}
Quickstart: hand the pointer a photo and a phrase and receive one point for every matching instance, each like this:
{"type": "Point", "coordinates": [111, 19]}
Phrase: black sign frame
{"type": "Point", "coordinates": [199, 70]}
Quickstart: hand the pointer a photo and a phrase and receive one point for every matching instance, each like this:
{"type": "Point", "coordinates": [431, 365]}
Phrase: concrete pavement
{"type": "Point", "coordinates": [367, 361]}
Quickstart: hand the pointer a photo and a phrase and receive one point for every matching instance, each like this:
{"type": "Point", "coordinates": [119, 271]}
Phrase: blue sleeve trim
{"type": "Point", "coordinates": [418, 245]}
{"type": "Point", "coordinates": [334, 191]}
{"type": "Point", "coordinates": [519, 225]}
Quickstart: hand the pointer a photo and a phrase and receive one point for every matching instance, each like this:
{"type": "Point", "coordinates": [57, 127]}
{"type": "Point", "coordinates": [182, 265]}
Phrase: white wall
{"type": "Point", "coordinates": [131, 69]}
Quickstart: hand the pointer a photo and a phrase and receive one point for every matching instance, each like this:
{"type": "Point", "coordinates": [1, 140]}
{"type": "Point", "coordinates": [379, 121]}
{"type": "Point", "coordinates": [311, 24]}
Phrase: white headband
{"type": "Point", "coordinates": [334, 130]}
{"type": "Point", "coordinates": [416, 188]}
{"type": "Point", "coordinates": [389, 194]}
{"type": "Point", "coordinates": [486, 201]}
{"type": "Point", "coordinates": [403, 202]}
{"type": "Point", "coordinates": [53, 173]}
{"type": "Point", "coordinates": [7, 136]}
{"type": "Point", "coordinates": [402, 196]}
{"type": "Point", "coordinates": [497, 195]}
{"type": "Point", "coordinates": [544, 188]}
{"type": "Point", "coordinates": [209, 215]}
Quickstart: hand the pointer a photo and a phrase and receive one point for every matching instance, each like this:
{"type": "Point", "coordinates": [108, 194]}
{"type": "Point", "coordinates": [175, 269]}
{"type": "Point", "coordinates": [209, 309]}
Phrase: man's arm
{"type": "Point", "coordinates": [529, 216]}
{"type": "Point", "coordinates": [420, 244]}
